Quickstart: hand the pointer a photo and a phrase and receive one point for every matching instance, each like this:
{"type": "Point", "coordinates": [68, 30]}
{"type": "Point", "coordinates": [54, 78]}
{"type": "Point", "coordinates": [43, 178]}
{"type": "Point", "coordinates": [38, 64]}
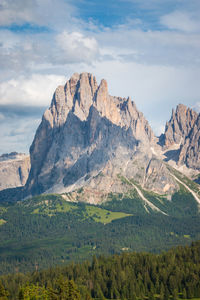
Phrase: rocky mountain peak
{"type": "Point", "coordinates": [180, 125]}
{"type": "Point", "coordinates": [82, 92]}
{"type": "Point", "coordinates": [182, 137]}
{"type": "Point", "coordinates": [76, 95]}
{"type": "Point", "coordinates": [82, 132]}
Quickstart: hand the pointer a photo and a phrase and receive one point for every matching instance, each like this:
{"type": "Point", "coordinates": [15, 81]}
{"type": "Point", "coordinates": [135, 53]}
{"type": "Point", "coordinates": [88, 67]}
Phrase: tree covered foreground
{"type": "Point", "coordinates": [169, 275]}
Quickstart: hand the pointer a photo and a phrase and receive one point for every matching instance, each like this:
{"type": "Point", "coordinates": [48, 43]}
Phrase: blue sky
{"type": "Point", "coordinates": [146, 49]}
{"type": "Point", "coordinates": [112, 13]}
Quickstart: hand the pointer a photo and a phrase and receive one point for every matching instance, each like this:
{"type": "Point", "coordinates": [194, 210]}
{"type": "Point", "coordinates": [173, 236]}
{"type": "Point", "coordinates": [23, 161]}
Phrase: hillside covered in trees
{"type": "Point", "coordinates": [46, 230]}
{"type": "Point", "coordinates": [170, 275]}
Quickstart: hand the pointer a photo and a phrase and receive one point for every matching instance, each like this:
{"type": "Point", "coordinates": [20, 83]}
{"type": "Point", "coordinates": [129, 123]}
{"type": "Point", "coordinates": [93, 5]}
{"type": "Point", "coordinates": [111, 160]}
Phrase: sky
{"type": "Point", "coordinates": [146, 49]}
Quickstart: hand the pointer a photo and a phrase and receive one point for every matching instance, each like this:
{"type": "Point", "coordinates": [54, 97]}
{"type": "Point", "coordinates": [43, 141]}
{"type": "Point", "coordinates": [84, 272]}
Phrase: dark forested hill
{"type": "Point", "coordinates": [171, 275]}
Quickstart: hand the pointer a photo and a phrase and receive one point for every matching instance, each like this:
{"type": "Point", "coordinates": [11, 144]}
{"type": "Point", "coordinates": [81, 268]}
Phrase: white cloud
{"type": "Point", "coordinates": [77, 47]}
{"type": "Point", "coordinates": [151, 47]}
{"type": "Point", "coordinates": [36, 90]}
{"type": "Point", "coordinates": [50, 13]}
{"type": "Point", "coordinates": [196, 106]}
{"type": "Point", "coordinates": [26, 54]}
{"type": "Point", "coordinates": [19, 53]}
{"type": "Point", "coordinates": [181, 21]}
{"type": "Point", "coordinates": [17, 134]}
{"type": "Point", "coordinates": [15, 12]}
{"type": "Point", "coordinates": [2, 117]}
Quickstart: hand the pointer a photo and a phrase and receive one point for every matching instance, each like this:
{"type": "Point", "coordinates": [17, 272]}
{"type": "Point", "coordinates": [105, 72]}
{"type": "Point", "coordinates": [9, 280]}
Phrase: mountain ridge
{"type": "Point", "coordinates": [86, 131]}
{"type": "Point", "coordinates": [88, 140]}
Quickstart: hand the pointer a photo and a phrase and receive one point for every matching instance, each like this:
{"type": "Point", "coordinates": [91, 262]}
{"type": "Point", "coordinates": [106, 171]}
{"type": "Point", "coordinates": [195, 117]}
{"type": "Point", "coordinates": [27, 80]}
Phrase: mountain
{"type": "Point", "coordinates": [14, 170]}
{"type": "Point", "coordinates": [101, 182]}
{"type": "Point", "coordinates": [88, 139]}
{"type": "Point", "coordinates": [182, 137]}
{"type": "Point", "coordinates": [93, 147]}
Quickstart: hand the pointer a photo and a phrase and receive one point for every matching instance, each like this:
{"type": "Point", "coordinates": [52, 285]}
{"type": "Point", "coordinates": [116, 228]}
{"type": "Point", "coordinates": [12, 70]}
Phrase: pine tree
{"type": "Point", "coordinates": [175, 294]}
{"type": "Point", "coordinates": [162, 291]}
{"type": "Point", "coordinates": [88, 297]}
{"type": "Point", "coordinates": [3, 292]}
{"type": "Point", "coordinates": [151, 296]}
{"type": "Point", "coordinates": [33, 292]}
{"type": "Point", "coordinates": [166, 294]}
{"type": "Point", "coordinates": [184, 294]}
{"type": "Point", "coordinates": [73, 293]}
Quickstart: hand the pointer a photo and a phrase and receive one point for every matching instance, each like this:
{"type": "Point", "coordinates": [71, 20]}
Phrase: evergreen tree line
{"type": "Point", "coordinates": [170, 275]}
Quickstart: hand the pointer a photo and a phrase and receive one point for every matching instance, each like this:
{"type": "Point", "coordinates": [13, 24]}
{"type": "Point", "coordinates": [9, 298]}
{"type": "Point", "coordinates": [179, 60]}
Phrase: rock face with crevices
{"type": "Point", "coordinates": [14, 170]}
{"type": "Point", "coordinates": [190, 149]}
{"type": "Point", "coordinates": [183, 130]}
{"type": "Point", "coordinates": [88, 138]}
{"type": "Point", "coordinates": [179, 126]}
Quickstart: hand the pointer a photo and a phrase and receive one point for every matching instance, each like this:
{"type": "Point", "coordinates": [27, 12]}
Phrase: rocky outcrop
{"type": "Point", "coordinates": [179, 127]}
{"type": "Point", "coordinates": [183, 133]}
{"type": "Point", "coordinates": [14, 170]}
{"type": "Point", "coordinates": [88, 138]}
{"type": "Point", "coordinates": [190, 149]}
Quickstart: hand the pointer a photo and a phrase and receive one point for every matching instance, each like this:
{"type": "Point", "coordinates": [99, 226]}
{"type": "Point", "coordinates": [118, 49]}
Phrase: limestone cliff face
{"type": "Point", "coordinates": [87, 138]}
{"type": "Point", "coordinates": [180, 125]}
{"type": "Point", "coordinates": [190, 149]}
{"type": "Point", "coordinates": [14, 170]}
{"type": "Point", "coordinates": [183, 131]}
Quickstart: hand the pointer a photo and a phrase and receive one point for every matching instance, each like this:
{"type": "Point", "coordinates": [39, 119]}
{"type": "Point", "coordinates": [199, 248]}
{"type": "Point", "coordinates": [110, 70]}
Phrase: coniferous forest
{"type": "Point", "coordinates": [170, 275]}
{"type": "Point", "coordinates": [46, 231]}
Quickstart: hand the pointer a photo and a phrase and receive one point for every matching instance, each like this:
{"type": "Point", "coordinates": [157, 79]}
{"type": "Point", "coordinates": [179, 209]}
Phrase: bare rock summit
{"type": "Point", "coordinates": [181, 139]}
{"type": "Point", "coordinates": [89, 139]}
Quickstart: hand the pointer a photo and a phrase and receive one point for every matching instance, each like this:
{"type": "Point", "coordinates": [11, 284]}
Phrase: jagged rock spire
{"type": "Point", "coordinates": [183, 131]}
{"type": "Point", "coordinates": [85, 130]}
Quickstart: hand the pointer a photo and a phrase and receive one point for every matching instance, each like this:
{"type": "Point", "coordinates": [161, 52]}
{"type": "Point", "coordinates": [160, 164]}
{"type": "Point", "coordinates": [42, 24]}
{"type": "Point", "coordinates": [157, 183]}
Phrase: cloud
{"type": "Point", "coordinates": [50, 13]}
{"type": "Point", "coordinates": [77, 47]}
{"type": "Point", "coordinates": [15, 12]}
{"type": "Point", "coordinates": [19, 111]}
{"type": "Point", "coordinates": [24, 54]}
{"type": "Point", "coordinates": [196, 107]}
{"type": "Point", "coordinates": [17, 134]}
{"type": "Point", "coordinates": [150, 47]}
{"type": "Point", "coordinates": [57, 51]}
{"type": "Point", "coordinates": [182, 21]}
{"type": "Point", "coordinates": [2, 117]}
{"type": "Point", "coordinates": [18, 126]}
{"type": "Point", "coordinates": [37, 90]}
{"type": "Point", "coordinates": [21, 53]}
